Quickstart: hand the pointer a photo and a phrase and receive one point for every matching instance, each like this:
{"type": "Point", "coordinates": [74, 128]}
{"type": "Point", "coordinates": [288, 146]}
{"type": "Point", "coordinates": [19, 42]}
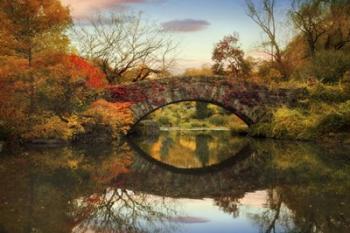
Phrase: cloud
{"type": "Point", "coordinates": [185, 25]}
{"type": "Point", "coordinates": [83, 9]}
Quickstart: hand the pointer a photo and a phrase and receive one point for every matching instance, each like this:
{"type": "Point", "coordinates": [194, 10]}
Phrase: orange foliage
{"type": "Point", "coordinates": [117, 115]}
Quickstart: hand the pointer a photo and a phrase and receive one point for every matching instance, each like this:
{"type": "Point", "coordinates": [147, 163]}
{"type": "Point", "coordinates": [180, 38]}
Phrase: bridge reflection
{"type": "Point", "coordinates": [101, 189]}
{"type": "Point", "coordinates": [199, 158]}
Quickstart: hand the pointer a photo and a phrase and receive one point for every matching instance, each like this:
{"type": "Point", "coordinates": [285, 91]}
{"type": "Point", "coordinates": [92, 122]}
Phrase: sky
{"type": "Point", "coordinates": [196, 25]}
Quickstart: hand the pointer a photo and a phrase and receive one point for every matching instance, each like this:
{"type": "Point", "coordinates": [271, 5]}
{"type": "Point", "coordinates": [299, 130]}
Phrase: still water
{"type": "Point", "coordinates": [196, 182]}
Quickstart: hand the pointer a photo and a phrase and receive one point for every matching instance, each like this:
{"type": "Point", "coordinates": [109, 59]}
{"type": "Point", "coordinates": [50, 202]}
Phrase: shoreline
{"type": "Point", "coordinates": [194, 129]}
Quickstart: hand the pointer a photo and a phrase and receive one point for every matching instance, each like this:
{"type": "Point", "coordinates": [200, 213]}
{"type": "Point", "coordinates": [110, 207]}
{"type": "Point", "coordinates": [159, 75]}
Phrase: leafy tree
{"type": "Point", "coordinates": [324, 24]}
{"type": "Point", "coordinates": [25, 23]}
{"type": "Point", "coordinates": [329, 66]}
{"type": "Point", "coordinates": [228, 55]}
{"type": "Point", "coordinates": [308, 17]}
{"type": "Point", "coordinates": [30, 27]}
{"type": "Point", "coordinates": [338, 21]}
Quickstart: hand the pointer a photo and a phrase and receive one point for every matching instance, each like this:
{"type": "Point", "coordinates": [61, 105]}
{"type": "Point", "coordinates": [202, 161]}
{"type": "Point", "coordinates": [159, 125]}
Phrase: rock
{"type": "Point", "coordinates": [1, 145]}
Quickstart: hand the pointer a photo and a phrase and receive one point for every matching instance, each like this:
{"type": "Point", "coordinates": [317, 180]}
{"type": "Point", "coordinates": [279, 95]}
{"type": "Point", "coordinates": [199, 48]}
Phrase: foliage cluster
{"type": "Point", "coordinates": [44, 87]}
{"type": "Point", "coordinates": [316, 59]}
{"type": "Point", "coordinates": [184, 115]}
{"type": "Point", "coordinates": [319, 121]}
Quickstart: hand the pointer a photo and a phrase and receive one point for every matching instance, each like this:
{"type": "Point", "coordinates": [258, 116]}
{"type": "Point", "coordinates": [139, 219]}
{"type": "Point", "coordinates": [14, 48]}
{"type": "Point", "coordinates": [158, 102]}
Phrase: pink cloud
{"type": "Point", "coordinates": [185, 25]}
{"type": "Point", "coordinates": [84, 8]}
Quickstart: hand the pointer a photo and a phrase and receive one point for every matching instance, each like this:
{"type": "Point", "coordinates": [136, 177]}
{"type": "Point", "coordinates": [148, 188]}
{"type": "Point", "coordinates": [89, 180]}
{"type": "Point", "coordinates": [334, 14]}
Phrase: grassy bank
{"type": "Point", "coordinates": [324, 115]}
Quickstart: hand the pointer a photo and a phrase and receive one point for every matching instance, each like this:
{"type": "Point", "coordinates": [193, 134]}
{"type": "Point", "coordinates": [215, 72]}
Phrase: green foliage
{"type": "Point", "coordinates": [335, 121]}
{"type": "Point", "coordinates": [202, 110]}
{"type": "Point", "coordinates": [318, 121]}
{"type": "Point", "coordinates": [286, 123]}
{"type": "Point", "coordinates": [330, 66]}
{"type": "Point", "coordinates": [184, 115]}
{"type": "Point", "coordinates": [164, 120]}
{"type": "Point", "coordinates": [217, 120]}
{"type": "Point", "coordinates": [328, 93]}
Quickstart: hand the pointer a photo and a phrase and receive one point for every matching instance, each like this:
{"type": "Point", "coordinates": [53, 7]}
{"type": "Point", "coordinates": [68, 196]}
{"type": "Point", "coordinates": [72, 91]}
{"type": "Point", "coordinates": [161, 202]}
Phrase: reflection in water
{"type": "Point", "coordinates": [120, 210]}
{"type": "Point", "coordinates": [279, 187]}
{"type": "Point", "coordinates": [188, 149]}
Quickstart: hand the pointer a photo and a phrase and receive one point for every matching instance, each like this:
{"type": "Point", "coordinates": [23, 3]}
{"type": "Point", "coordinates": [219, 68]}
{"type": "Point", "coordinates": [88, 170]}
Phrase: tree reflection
{"type": "Point", "coordinates": [229, 205]}
{"type": "Point", "coordinates": [120, 210]}
{"type": "Point", "coordinates": [269, 219]}
{"type": "Point", "coordinates": [202, 148]}
{"type": "Point", "coordinates": [166, 144]}
{"type": "Point", "coordinates": [307, 189]}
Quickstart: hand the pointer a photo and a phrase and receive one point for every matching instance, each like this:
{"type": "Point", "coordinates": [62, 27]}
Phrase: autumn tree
{"type": "Point", "coordinates": [308, 17]}
{"type": "Point", "coordinates": [30, 28]}
{"type": "Point", "coordinates": [120, 43]}
{"type": "Point", "coordinates": [324, 24]}
{"type": "Point", "coordinates": [264, 16]}
{"type": "Point", "coordinates": [338, 21]}
{"type": "Point", "coordinates": [25, 23]}
{"type": "Point", "coordinates": [228, 56]}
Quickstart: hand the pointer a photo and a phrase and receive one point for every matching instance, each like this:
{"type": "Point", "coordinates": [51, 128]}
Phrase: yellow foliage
{"type": "Point", "coordinates": [205, 70]}
{"type": "Point", "coordinates": [52, 127]}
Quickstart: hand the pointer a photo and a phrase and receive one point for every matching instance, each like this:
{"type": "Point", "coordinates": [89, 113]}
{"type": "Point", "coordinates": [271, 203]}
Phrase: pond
{"type": "Point", "coordinates": [179, 181]}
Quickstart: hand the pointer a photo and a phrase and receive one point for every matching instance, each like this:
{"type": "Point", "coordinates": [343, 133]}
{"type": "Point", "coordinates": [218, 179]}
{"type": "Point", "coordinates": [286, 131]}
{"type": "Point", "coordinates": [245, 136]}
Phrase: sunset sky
{"type": "Point", "coordinates": [195, 24]}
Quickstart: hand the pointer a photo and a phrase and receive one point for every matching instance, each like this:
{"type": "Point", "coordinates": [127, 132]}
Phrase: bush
{"type": "Point", "coordinates": [267, 71]}
{"type": "Point", "coordinates": [217, 120]}
{"type": "Point", "coordinates": [164, 121]}
{"type": "Point", "coordinates": [328, 93]}
{"type": "Point", "coordinates": [337, 121]}
{"type": "Point", "coordinates": [330, 66]}
{"type": "Point", "coordinates": [52, 127]}
{"type": "Point", "coordinates": [288, 124]}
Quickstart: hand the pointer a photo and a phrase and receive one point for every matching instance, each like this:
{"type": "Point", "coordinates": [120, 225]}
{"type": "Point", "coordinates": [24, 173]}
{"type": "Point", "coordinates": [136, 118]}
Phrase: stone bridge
{"type": "Point", "coordinates": [249, 101]}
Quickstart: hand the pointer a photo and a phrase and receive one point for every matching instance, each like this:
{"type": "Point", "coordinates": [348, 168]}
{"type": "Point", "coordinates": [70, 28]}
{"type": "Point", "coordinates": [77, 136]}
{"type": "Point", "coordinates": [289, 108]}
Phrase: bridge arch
{"type": "Point", "coordinates": [241, 116]}
{"type": "Point", "coordinates": [247, 100]}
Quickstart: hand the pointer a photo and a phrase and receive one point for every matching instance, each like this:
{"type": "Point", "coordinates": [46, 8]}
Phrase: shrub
{"type": "Point", "coordinates": [217, 120]}
{"type": "Point", "coordinates": [164, 121]}
{"type": "Point", "coordinates": [287, 123]}
{"type": "Point", "coordinates": [328, 93]}
{"type": "Point", "coordinates": [330, 66]}
{"type": "Point", "coordinates": [53, 127]}
{"type": "Point", "coordinates": [335, 121]}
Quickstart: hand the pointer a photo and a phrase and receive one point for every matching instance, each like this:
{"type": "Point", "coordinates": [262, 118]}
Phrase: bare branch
{"type": "Point", "coordinates": [123, 44]}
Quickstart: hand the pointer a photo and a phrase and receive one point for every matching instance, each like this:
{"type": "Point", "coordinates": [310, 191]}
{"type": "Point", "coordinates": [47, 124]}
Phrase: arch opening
{"type": "Point", "coordinates": [190, 134]}
{"type": "Point", "coordinates": [196, 114]}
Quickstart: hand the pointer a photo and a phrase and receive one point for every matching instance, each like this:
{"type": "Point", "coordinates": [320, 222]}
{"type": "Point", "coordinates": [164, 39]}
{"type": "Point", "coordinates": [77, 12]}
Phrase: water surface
{"type": "Point", "coordinates": [177, 182]}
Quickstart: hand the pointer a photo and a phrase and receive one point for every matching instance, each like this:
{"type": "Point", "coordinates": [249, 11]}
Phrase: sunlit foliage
{"type": "Point", "coordinates": [229, 57]}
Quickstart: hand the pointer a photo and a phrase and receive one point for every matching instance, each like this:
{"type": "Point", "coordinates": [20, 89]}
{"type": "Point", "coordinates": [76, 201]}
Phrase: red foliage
{"type": "Point", "coordinates": [131, 93]}
{"type": "Point", "coordinates": [95, 78]}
